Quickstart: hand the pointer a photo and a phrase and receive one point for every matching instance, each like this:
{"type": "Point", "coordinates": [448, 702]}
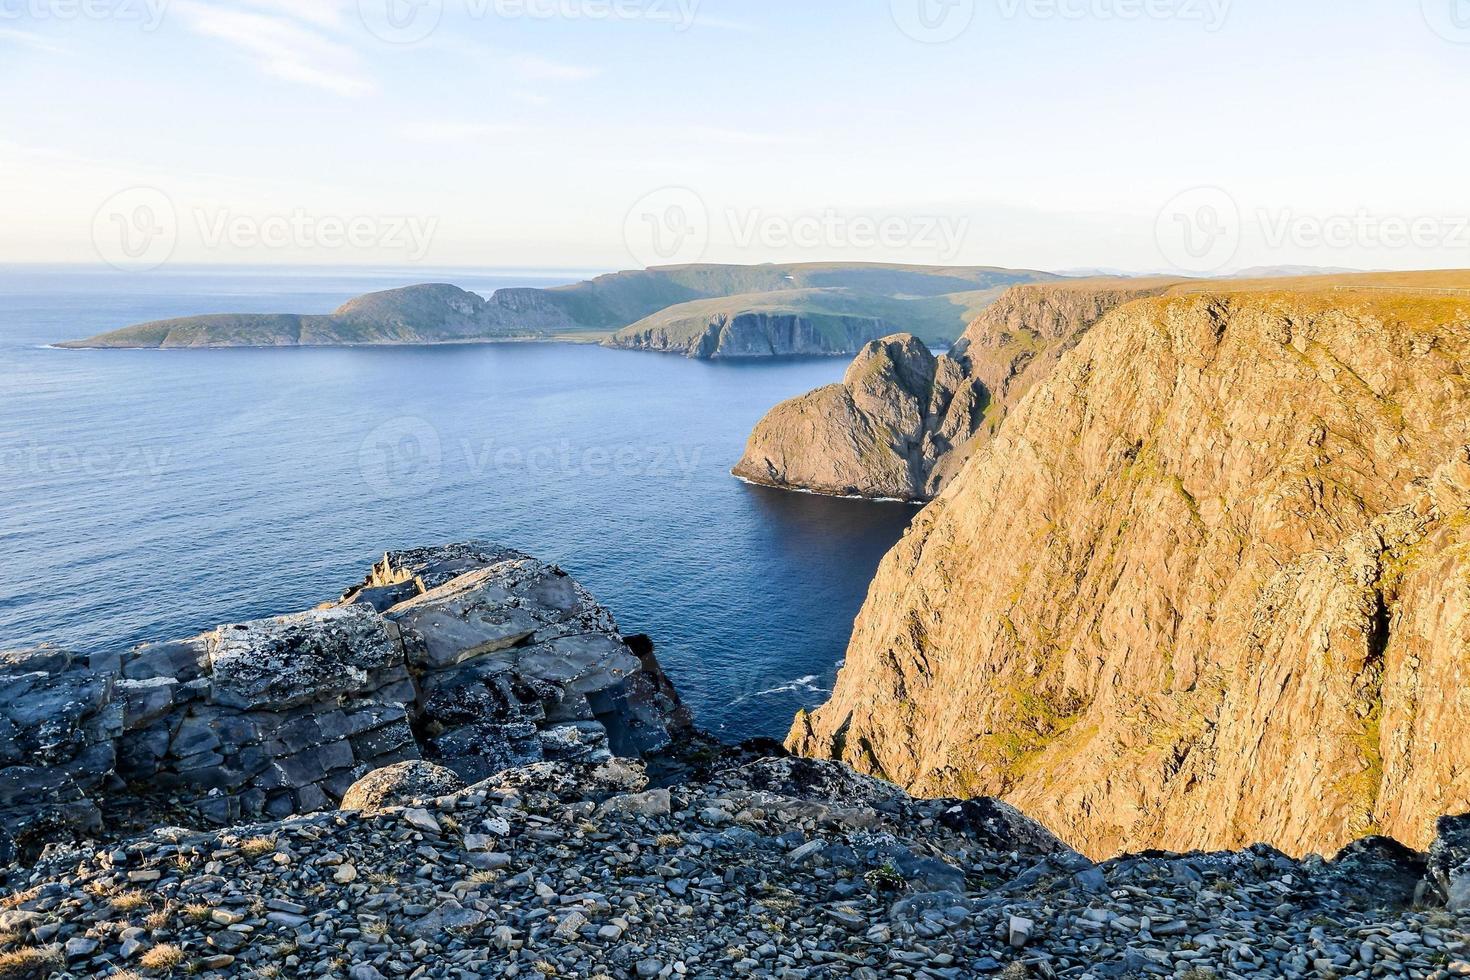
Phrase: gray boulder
{"type": "Point", "coordinates": [293, 660]}
{"type": "Point", "coordinates": [400, 785]}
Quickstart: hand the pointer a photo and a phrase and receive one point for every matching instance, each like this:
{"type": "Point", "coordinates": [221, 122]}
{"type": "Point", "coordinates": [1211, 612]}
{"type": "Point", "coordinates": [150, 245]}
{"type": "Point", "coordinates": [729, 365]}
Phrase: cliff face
{"type": "Point", "coordinates": [877, 434]}
{"type": "Point", "coordinates": [1206, 586]}
{"type": "Point", "coordinates": [754, 333]}
{"type": "Point", "coordinates": [1017, 342]}
{"type": "Point", "coordinates": [909, 440]}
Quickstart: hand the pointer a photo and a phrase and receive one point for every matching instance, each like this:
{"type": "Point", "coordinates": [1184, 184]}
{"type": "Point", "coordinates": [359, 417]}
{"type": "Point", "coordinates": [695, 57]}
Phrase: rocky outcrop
{"type": "Point", "coordinates": [475, 657]}
{"type": "Point", "coordinates": [936, 298]}
{"type": "Point", "coordinates": [908, 440]}
{"type": "Point", "coordinates": [773, 868]}
{"type": "Point", "coordinates": [759, 333]}
{"type": "Point", "coordinates": [1205, 587]}
{"type": "Point", "coordinates": [877, 434]}
{"type": "Point", "coordinates": [425, 314]}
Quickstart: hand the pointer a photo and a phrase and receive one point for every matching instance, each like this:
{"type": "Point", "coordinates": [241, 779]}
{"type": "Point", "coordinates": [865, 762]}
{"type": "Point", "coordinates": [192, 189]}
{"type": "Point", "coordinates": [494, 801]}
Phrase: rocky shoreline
{"type": "Point", "coordinates": [531, 800]}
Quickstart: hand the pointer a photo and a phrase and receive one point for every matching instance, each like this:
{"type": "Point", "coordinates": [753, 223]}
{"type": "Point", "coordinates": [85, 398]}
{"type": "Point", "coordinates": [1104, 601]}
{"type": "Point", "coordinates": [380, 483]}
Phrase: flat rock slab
{"type": "Point", "coordinates": [294, 660]}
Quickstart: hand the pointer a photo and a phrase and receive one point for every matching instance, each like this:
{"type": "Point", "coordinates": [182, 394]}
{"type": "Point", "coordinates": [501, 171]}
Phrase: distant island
{"type": "Point", "coordinates": [702, 311]}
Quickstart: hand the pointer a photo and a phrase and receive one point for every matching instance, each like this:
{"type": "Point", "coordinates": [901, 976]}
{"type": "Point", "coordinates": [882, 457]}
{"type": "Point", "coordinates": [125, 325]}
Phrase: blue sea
{"type": "Point", "coordinates": [151, 495]}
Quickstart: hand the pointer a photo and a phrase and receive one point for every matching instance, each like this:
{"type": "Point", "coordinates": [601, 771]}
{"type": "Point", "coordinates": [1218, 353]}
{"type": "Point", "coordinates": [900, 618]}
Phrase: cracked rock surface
{"type": "Point", "coordinates": [472, 656]}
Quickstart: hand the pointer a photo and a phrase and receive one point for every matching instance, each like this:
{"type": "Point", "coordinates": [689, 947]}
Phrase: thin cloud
{"type": "Point", "coordinates": [452, 131]}
{"type": "Point", "coordinates": [281, 46]}
{"type": "Point", "coordinates": [537, 69]}
{"type": "Point", "coordinates": [30, 40]}
{"type": "Point", "coordinates": [739, 137]}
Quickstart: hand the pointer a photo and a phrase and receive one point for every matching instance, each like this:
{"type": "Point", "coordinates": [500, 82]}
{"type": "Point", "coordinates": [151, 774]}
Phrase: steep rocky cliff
{"type": "Point", "coordinates": [737, 333]}
{"type": "Point", "coordinates": [475, 656]}
{"type": "Point", "coordinates": [907, 441]}
{"type": "Point", "coordinates": [1207, 584]}
{"type": "Point", "coordinates": [877, 434]}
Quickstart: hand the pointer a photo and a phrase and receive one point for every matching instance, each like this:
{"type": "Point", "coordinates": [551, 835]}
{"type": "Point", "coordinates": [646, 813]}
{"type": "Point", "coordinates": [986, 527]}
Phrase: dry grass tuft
{"type": "Point", "coordinates": [29, 964]}
{"type": "Point", "coordinates": [161, 958]}
{"type": "Point", "coordinates": [258, 847]}
{"type": "Point", "coordinates": [128, 901]}
{"type": "Point", "coordinates": [160, 919]}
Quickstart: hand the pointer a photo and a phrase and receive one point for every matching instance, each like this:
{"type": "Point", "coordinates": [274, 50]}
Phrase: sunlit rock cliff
{"type": "Point", "coordinates": [1207, 585]}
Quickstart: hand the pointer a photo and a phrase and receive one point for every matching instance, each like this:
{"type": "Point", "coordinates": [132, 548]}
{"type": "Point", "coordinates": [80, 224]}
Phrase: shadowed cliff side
{"type": "Point", "coordinates": [1206, 586]}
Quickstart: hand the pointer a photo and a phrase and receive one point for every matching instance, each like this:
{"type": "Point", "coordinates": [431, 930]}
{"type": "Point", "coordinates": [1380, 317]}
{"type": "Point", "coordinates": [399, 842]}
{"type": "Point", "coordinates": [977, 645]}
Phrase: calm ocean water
{"type": "Point", "coordinates": [154, 494]}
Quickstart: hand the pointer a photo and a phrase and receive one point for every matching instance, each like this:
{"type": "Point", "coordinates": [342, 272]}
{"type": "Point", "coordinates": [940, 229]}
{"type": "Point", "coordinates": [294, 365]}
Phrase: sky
{"type": "Point", "coordinates": [1199, 136]}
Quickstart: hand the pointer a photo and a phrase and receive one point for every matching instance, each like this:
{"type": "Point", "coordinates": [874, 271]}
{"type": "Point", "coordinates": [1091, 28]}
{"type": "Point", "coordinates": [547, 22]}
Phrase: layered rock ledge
{"type": "Point", "coordinates": [476, 657]}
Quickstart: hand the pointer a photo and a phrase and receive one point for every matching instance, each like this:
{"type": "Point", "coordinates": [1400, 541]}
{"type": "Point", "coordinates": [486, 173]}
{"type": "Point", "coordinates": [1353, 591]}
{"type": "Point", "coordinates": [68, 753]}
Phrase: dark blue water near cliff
{"type": "Point", "coordinates": [153, 494]}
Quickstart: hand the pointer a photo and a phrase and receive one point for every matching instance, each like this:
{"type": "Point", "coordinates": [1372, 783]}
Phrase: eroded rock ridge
{"type": "Point", "coordinates": [476, 657]}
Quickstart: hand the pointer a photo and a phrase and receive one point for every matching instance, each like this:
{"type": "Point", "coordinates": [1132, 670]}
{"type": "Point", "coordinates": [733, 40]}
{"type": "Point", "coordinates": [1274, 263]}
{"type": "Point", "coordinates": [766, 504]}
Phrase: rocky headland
{"type": "Point", "coordinates": [432, 313]}
{"type": "Point", "coordinates": [811, 308]}
{"type": "Point", "coordinates": [904, 422]}
{"type": "Point", "coordinates": [1202, 587]}
{"type": "Point", "coordinates": [876, 434]}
